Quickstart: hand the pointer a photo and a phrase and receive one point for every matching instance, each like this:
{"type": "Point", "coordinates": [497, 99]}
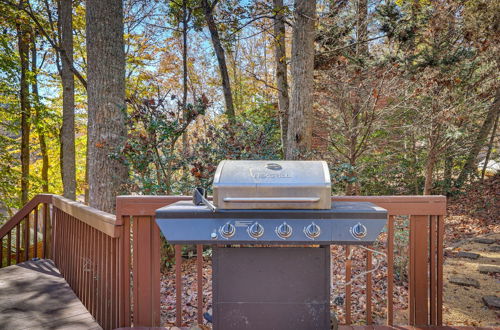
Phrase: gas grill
{"type": "Point", "coordinates": [271, 224]}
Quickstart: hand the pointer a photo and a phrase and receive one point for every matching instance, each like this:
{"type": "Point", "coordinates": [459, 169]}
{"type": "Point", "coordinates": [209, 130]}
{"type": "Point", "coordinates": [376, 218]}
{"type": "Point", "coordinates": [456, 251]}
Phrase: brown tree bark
{"type": "Point", "coordinates": [362, 28]}
{"type": "Point", "coordinates": [281, 70]}
{"type": "Point", "coordinates": [448, 173]}
{"type": "Point", "coordinates": [23, 38]}
{"type": "Point", "coordinates": [353, 188]}
{"type": "Point", "coordinates": [67, 147]}
{"type": "Point", "coordinates": [480, 140]}
{"type": "Point", "coordinates": [208, 9]}
{"type": "Point", "coordinates": [490, 147]}
{"type": "Point", "coordinates": [185, 19]}
{"type": "Point", "coordinates": [38, 124]}
{"type": "Point", "coordinates": [429, 171]}
{"type": "Point", "coordinates": [299, 135]}
{"type": "Point", "coordinates": [107, 133]}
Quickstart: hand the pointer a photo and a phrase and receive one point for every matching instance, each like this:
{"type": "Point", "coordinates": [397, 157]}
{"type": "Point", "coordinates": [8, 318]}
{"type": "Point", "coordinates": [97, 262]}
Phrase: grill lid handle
{"type": "Point", "coordinates": [271, 199]}
{"type": "Point", "coordinates": [199, 199]}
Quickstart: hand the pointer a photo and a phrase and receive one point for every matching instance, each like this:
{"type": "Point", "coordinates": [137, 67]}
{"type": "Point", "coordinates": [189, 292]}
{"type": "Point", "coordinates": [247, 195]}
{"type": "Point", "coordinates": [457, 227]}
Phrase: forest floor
{"type": "Point", "coordinates": [472, 214]}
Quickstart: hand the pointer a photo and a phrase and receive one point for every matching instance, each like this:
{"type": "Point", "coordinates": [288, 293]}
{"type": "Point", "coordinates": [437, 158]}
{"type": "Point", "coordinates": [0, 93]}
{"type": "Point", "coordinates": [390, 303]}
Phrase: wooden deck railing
{"type": "Point", "coordinates": [83, 242]}
{"type": "Point", "coordinates": [16, 242]}
{"type": "Point", "coordinates": [113, 263]}
{"type": "Point", "coordinates": [425, 267]}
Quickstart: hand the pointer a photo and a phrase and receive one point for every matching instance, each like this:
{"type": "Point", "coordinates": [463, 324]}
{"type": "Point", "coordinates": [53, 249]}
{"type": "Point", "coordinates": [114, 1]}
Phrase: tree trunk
{"type": "Point", "coordinates": [490, 146]}
{"type": "Point", "coordinates": [448, 173]}
{"type": "Point", "coordinates": [480, 140]}
{"type": "Point", "coordinates": [23, 38]}
{"type": "Point", "coordinates": [353, 188]}
{"type": "Point", "coordinates": [362, 28]}
{"type": "Point", "coordinates": [184, 73]}
{"type": "Point", "coordinates": [281, 70]}
{"type": "Point", "coordinates": [221, 59]}
{"type": "Point", "coordinates": [299, 135]}
{"type": "Point", "coordinates": [429, 171]}
{"type": "Point", "coordinates": [39, 128]}
{"type": "Point", "coordinates": [414, 164]}
{"type": "Point", "coordinates": [68, 168]}
{"type": "Point", "coordinates": [107, 133]}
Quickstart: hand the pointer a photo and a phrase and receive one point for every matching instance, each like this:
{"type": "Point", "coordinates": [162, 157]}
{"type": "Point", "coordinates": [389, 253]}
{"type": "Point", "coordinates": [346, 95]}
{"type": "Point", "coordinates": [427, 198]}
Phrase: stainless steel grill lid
{"type": "Point", "coordinates": [261, 184]}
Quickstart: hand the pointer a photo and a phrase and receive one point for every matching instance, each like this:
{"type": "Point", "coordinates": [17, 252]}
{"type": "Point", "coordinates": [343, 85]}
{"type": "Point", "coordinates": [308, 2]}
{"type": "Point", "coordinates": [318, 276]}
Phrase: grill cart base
{"type": "Point", "coordinates": [271, 288]}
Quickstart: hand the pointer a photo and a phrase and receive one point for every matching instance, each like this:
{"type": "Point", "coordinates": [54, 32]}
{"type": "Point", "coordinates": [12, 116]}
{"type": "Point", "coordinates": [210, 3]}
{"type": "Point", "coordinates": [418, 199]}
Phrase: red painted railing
{"type": "Point", "coordinates": [113, 263]}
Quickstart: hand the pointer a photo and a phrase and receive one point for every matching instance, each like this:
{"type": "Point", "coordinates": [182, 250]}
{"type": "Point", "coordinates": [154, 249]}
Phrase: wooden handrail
{"type": "Point", "coordinates": [402, 205]}
{"type": "Point", "coordinates": [23, 212]}
{"type": "Point", "coordinates": [102, 221]}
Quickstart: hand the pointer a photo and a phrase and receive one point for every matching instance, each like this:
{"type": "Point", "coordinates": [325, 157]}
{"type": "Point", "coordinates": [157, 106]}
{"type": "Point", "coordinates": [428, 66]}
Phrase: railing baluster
{"type": "Point", "coordinates": [9, 245]}
{"type": "Point", "coordinates": [117, 274]}
{"type": "Point", "coordinates": [85, 274]}
{"type": "Point", "coordinates": [77, 258]}
{"type": "Point", "coordinates": [54, 235]}
{"type": "Point", "coordinates": [69, 240]}
{"type": "Point", "coordinates": [348, 264]}
{"type": "Point", "coordinates": [369, 288]}
{"type": "Point", "coordinates": [440, 261]}
{"type": "Point", "coordinates": [1, 252]}
{"type": "Point", "coordinates": [178, 285]}
{"type": "Point", "coordinates": [35, 233]}
{"type": "Point", "coordinates": [411, 279]}
{"type": "Point", "coordinates": [74, 254]}
{"type": "Point", "coordinates": [97, 276]}
{"type": "Point", "coordinates": [390, 270]}
{"type": "Point", "coordinates": [199, 273]}
{"type": "Point", "coordinates": [27, 239]}
{"type": "Point", "coordinates": [44, 219]}
{"type": "Point", "coordinates": [101, 277]}
{"type": "Point", "coordinates": [433, 268]}
{"type": "Point", "coordinates": [18, 243]}
{"type": "Point", "coordinates": [107, 278]}
{"type": "Point", "coordinates": [93, 273]}
{"type": "Point", "coordinates": [123, 291]}
{"type": "Point", "coordinates": [63, 237]}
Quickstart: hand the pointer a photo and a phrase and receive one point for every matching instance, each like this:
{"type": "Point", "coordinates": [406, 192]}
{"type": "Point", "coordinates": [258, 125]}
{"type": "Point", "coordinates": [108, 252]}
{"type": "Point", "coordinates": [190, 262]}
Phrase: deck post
{"type": "Point", "coordinates": [146, 272]}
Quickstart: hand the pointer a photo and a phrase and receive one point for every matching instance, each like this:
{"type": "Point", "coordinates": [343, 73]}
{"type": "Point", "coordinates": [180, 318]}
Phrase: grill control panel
{"type": "Point", "coordinates": [188, 224]}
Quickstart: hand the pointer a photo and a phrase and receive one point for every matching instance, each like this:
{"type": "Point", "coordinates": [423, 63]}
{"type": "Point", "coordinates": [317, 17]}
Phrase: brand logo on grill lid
{"type": "Point", "coordinates": [270, 171]}
{"type": "Point", "coordinates": [273, 166]}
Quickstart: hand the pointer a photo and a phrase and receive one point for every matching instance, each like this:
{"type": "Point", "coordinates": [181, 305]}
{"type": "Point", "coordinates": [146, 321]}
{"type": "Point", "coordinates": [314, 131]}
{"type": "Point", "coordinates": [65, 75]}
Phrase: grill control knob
{"type": "Point", "coordinates": [227, 230]}
{"type": "Point", "coordinates": [284, 230]}
{"type": "Point", "coordinates": [358, 231]}
{"type": "Point", "coordinates": [312, 231]}
{"type": "Point", "coordinates": [256, 230]}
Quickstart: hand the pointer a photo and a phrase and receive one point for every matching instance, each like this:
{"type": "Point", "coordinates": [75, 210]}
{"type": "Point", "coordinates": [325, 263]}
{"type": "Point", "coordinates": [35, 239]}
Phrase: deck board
{"type": "Point", "coordinates": [34, 295]}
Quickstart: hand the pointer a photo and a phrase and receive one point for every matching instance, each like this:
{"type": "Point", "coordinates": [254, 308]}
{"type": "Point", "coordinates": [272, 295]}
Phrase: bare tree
{"type": "Point", "coordinates": [490, 147]}
{"type": "Point", "coordinates": [68, 170]}
{"type": "Point", "coordinates": [107, 132]}
{"type": "Point", "coordinates": [281, 69]}
{"type": "Point", "coordinates": [23, 39]}
{"type": "Point", "coordinates": [38, 118]}
{"type": "Point", "coordinates": [299, 135]}
{"type": "Point", "coordinates": [480, 140]}
{"type": "Point", "coordinates": [208, 8]}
